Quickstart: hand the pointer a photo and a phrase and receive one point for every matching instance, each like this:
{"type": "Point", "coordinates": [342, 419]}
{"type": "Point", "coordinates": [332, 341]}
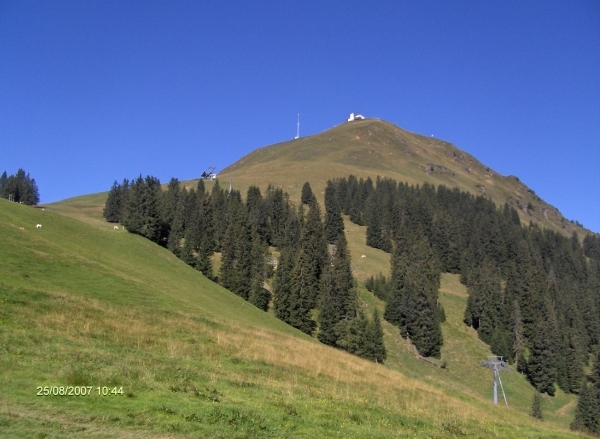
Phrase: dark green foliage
{"type": "Point", "coordinates": [352, 335]}
{"type": "Point", "coordinates": [376, 347]}
{"type": "Point", "coordinates": [20, 188]}
{"type": "Point", "coordinates": [307, 196]}
{"type": "Point", "coordinates": [441, 313]}
{"type": "Point", "coordinates": [536, 406]}
{"type": "Point", "coordinates": [587, 413]}
{"type": "Point", "coordinates": [302, 293]}
{"type": "Point", "coordinates": [177, 228]}
{"type": "Point", "coordinates": [236, 263]}
{"type": "Point", "coordinates": [523, 265]}
{"type": "Point", "coordinates": [591, 246]}
{"type": "Point", "coordinates": [380, 285]}
{"type": "Point", "coordinates": [113, 209]}
{"type": "Point", "coordinates": [142, 211]}
{"type": "Point", "coordinates": [259, 254]}
{"type": "Point", "coordinates": [485, 310]}
{"type": "Point", "coordinates": [312, 258]}
{"type": "Point", "coordinates": [543, 352]}
{"type": "Point", "coordinates": [3, 180]}
{"type": "Point", "coordinates": [338, 300]}
{"type": "Point", "coordinates": [518, 338]}
{"type": "Point", "coordinates": [413, 305]}
{"type": "Point", "coordinates": [334, 224]}
{"type": "Point", "coordinates": [282, 284]}
{"type": "Point", "coordinates": [329, 315]}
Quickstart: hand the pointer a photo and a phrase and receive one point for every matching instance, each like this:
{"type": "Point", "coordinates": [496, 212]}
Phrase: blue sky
{"type": "Point", "coordinates": [93, 91]}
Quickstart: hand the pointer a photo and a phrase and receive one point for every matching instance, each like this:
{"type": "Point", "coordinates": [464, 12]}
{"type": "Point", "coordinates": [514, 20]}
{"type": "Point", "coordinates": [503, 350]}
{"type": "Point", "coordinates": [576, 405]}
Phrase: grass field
{"type": "Point", "coordinates": [82, 304]}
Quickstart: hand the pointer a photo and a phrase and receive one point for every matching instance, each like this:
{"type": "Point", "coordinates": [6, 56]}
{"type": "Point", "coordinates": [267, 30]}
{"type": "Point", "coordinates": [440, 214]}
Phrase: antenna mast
{"type": "Point", "coordinates": [298, 128]}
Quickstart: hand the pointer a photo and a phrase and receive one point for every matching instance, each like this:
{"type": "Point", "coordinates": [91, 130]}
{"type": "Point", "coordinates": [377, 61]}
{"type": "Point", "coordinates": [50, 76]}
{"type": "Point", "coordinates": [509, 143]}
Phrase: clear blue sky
{"type": "Point", "coordinates": [93, 91]}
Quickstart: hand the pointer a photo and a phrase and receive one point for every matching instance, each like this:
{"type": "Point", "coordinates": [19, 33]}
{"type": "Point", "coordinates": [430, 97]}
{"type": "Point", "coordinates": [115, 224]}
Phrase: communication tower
{"type": "Point", "coordinates": [298, 128]}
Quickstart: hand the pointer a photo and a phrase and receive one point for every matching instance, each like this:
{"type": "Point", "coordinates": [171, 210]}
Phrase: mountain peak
{"type": "Point", "coordinates": [373, 147]}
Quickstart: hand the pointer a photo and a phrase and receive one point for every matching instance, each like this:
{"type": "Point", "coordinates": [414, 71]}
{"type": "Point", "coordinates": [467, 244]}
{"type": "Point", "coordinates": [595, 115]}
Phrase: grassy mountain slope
{"type": "Point", "coordinates": [373, 147]}
{"type": "Point", "coordinates": [85, 305]}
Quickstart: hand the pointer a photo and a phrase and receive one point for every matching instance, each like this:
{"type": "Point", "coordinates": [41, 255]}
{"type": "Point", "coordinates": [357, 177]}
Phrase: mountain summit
{"type": "Point", "coordinates": [372, 148]}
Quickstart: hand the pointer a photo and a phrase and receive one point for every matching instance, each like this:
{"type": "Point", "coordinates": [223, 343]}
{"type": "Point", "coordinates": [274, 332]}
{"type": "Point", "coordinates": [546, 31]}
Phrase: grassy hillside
{"type": "Point", "coordinates": [82, 304]}
{"type": "Point", "coordinates": [373, 147]}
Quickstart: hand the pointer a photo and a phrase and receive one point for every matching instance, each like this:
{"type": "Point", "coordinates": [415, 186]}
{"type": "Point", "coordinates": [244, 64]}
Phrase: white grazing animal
{"type": "Point", "coordinates": [116, 228]}
{"type": "Point", "coordinates": [38, 226]}
{"type": "Point", "coordinates": [363, 256]}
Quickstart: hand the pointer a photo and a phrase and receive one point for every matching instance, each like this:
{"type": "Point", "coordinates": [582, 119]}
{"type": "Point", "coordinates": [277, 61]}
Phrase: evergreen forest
{"type": "Point", "coordinates": [534, 294]}
{"type": "Point", "coordinates": [20, 188]}
{"type": "Point", "coordinates": [310, 286]}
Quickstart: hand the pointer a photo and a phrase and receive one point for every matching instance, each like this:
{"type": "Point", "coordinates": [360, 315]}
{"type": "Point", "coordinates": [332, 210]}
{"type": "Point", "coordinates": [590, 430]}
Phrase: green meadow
{"type": "Point", "coordinates": [85, 306]}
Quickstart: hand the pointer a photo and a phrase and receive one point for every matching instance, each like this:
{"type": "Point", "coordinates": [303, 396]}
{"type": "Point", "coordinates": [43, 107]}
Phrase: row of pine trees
{"type": "Point", "coordinates": [312, 286]}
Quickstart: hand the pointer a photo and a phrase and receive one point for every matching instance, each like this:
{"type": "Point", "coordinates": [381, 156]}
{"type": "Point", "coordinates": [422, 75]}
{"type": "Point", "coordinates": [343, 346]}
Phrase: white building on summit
{"type": "Point", "coordinates": [355, 117]}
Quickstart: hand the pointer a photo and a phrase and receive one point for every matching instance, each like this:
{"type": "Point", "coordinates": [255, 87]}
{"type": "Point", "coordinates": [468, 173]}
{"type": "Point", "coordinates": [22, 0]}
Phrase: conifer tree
{"type": "Point", "coordinates": [307, 196]}
{"type": "Point", "coordinates": [536, 406]}
{"type": "Point", "coordinates": [218, 207]}
{"type": "Point", "coordinates": [338, 298]}
{"type": "Point", "coordinates": [258, 296]}
{"type": "Point", "coordinates": [518, 346]}
{"type": "Point", "coordinates": [21, 187]}
{"type": "Point", "coordinates": [177, 230]}
{"type": "Point", "coordinates": [587, 413]}
{"type": "Point", "coordinates": [236, 263]}
{"type": "Point", "coordinates": [206, 245]}
{"type": "Point", "coordinates": [112, 208]}
{"type": "Point", "coordinates": [313, 247]}
{"type": "Point", "coordinates": [413, 303]}
{"type": "Point", "coordinates": [3, 180]}
{"type": "Point", "coordinates": [376, 346]}
{"type": "Point", "coordinates": [329, 314]}
{"type": "Point", "coordinates": [304, 281]}
{"type": "Point", "coordinates": [282, 284]}
{"type": "Point", "coordinates": [352, 335]}
{"type": "Point", "coordinates": [542, 358]}
{"type": "Point", "coordinates": [133, 215]}
{"type": "Point", "coordinates": [334, 224]}
{"type": "Point", "coordinates": [151, 226]}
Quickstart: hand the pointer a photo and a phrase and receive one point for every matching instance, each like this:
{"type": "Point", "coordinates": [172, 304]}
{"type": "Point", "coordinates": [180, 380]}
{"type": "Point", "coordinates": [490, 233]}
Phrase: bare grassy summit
{"type": "Point", "coordinates": [373, 147]}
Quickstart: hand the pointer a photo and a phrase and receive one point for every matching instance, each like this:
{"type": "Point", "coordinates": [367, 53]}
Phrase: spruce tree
{"type": "Point", "coordinates": [133, 214]}
{"type": "Point", "coordinates": [207, 244]}
{"type": "Point", "coordinates": [21, 187]}
{"type": "Point", "coordinates": [304, 281]}
{"type": "Point", "coordinates": [313, 246]}
{"type": "Point", "coordinates": [587, 413]}
{"type": "Point", "coordinates": [338, 298]}
{"type": "Point", "coordinates": [168, 204]}
{"type": "Point", "coordinates": [352, 335]}
{"type": "Point", "coordinates": [518, 338]}
{"type": "Point", "coordinates": [377, 351]}
{"type": "Point", "coordinates": [3, 180]}
{"type": "Point", "coordinates": [536, 406]}
{"type": "Point", "coordinates": [112, 207]}
{"type": "Point", "coordinates": [334, 224]}
{"type": "Point", "coordinates": [177, 230]}
{"type": "Point", "coordinates": [307, 196]}
{"type": "Point", "coordinates": [258, 296]}
{"type": "Point", "coordinates": [329, 313]}
{"type": "Point", "coordinates": [282, 284]}
{"type": "Point", "coordinates": [542, 357]}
